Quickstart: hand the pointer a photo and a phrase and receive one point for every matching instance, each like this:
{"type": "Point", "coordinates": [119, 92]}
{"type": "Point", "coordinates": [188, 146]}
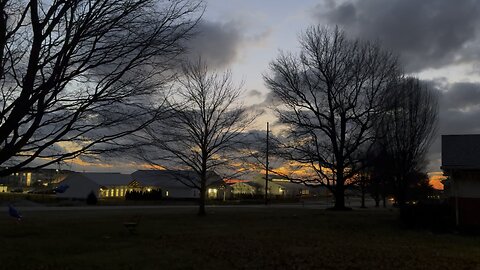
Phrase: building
{"type": "Point", "coordinates": [290, 190]}
{"type": "Point", "coordinates": [103, 185]}
{"type": "Point", "coordinates": [246, 188]}
{"type": "Point", "coordinates": [30, 178]}
{"type": "Point", "coordinates": [461, 164]}
{"type": "Point", "coordinates": [178, 184]}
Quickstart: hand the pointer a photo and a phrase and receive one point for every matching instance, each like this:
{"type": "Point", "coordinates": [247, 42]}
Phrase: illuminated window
{"type": "Point", "coordinates": [111, 192]}
{"type": "Point", "coordinates": [166, 193]}
{"type": "Point", "coordinates": [121, 192]}
{"type": "Point", "coordinates": [105, 193]}
{"type": "Point", "coordinates": [149, 189]}
{"type": "Point", "coordinates": [212, 192]}
{"type": "Point", "coordinates": [28, 179]}
{"type": "Point", "coordinates": [116, 192]}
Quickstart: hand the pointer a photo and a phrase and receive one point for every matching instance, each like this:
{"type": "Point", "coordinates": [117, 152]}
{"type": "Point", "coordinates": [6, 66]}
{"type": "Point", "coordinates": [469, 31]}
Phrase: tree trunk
{"type": "Point", "coordinates": [203, 195]}
{"type": "Point", "coordinates": [363, 190]}
{"type": "Point", "coordinates": [339, 197]}
{"type": "Point", "coordinates": [384, 194]}
{"type": "Point", "coordinates": [201, 202]}
{"type": "Point", "coordinates": [363, 198]}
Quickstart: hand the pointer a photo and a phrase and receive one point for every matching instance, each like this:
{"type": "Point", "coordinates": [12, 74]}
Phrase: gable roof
{"type": "Point", "coordinates": [108, 179]}
{"type": "Point", "coordinates": [170, 178]}
{"type": "Point", "coordinates": [461, 151]}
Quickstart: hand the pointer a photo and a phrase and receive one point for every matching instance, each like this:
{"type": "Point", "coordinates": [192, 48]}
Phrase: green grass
{"type": "Point", "coordinates": [239, 238]}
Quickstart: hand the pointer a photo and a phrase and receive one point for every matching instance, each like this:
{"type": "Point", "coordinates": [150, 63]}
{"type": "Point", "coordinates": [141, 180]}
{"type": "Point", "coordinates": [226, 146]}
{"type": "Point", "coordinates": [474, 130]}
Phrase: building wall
{"type": "Point", "coordinates": [465, 185]}
{"type": "Point", "coordinates": [463, 190]}
{"type": "Point", "coordinates": [243, 188]}
{"type": "Point", "coordinates": [78, 187]}
{"type": "Point", "coordinates": [113, 192]}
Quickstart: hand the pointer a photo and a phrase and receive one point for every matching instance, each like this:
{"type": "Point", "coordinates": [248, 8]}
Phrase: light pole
{"type": "Point", "coordinates": [266, 169]}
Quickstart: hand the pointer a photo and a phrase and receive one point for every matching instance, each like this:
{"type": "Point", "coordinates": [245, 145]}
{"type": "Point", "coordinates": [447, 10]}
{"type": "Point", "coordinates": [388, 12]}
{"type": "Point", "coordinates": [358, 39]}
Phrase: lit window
{"type": "Point", "coordinates": [149, 189]}
{"type": "Point", "coordinates": [106, 193]}
{"type": "Point", "coordinates": [116, 192]}
{"type": "Point", "coordinates": [111, 193]}
{"type": "Point", "coordinates": [166, 193]}
{"type": "Point", "coordinates": [121, 192]}
{"type": "Point", "coordinates": [212, 192]}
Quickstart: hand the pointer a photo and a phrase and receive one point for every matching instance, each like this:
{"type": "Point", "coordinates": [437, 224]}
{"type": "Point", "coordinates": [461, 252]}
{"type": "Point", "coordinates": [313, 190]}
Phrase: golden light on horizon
{"type": "Point", "coordinates": [435, 179]}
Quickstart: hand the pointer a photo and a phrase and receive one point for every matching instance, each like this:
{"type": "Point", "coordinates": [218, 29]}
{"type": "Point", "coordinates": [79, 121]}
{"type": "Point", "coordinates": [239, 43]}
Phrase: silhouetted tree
{"type": "Point", "coordinates": [381, 167]}
{"type": "Point", "coordinates": [203, 130]}
{"type": "Point", "coordinates": [78, 75]}
{"type": "Point", "coordinates": [92, 199]}
{"type": "Point", "coordinates": [405, 133]}
{"type": "Point", "coordinates": [329, 96]}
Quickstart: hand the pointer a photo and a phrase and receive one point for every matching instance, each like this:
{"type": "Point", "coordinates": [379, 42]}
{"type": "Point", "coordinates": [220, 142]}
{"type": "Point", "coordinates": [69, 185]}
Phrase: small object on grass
{"type": "Point", "coordinates": [14, 212]}
{"type": "Point", "coordinates": [131, 224]}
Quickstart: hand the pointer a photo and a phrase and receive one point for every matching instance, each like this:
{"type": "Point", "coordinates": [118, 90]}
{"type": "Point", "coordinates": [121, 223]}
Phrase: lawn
{"type": "Point", "coordinates": [228, 238]}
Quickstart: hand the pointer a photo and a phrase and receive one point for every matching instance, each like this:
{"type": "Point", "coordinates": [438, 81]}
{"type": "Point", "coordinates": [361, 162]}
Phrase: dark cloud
{"type": "Point", "coordinates": [217, 43]}
{"type": "Point", "coordinates": [221, 43]}
{"type": "Point", "coordinates": [459, 113]}
{"type": "Point", "coordinates": [254, 93]}
{"type": "Point", "coordinates": [461, 96]}
{"type": "Point", "coordinates": [426, 33]}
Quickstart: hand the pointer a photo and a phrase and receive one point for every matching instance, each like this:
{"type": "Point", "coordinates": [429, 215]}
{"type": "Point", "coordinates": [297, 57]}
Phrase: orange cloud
{"type": "Point", "coordinates": [435, 179]}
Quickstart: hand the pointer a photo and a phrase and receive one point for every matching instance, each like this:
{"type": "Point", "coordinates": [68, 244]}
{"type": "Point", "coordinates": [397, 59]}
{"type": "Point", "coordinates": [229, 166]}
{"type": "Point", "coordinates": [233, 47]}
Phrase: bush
{"type": "Point", "coordinates": [92, 199]}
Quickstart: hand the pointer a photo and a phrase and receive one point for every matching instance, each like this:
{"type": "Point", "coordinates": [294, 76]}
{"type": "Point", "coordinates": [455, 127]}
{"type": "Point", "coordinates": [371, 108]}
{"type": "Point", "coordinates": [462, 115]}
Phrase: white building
{"type": "Point", "coordinates": [179, 184]}
{"type": "Point", "coordinates": [103, 185]}
{"type": "Point", "coordinates": [461, 163]}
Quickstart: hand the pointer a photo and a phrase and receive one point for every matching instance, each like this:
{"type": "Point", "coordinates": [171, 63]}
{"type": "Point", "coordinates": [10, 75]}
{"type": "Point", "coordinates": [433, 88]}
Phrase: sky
{"type": "Point", "coordinates": [436, 40]}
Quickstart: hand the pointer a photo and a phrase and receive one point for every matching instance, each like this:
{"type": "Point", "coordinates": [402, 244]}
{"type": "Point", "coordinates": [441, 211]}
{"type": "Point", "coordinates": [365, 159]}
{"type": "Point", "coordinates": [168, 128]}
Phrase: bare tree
{"type": "Point", "coordinates": [204, 129]}
{"type": "Point", "coordinates": [76, 76]}
{"type": "Point", "coordinates": [330, 94]}
{"type": "Point", "coordinates": [405, 132]}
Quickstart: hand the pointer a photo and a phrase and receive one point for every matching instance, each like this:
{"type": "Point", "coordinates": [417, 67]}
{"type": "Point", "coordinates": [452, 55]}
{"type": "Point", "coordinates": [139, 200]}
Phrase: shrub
{"type": "Point", "coordinates": [92, 199]}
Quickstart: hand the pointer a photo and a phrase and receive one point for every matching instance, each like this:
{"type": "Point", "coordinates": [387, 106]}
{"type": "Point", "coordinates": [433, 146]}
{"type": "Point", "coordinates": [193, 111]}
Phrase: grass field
{"type": "Point", "coordinates": [228, 238]}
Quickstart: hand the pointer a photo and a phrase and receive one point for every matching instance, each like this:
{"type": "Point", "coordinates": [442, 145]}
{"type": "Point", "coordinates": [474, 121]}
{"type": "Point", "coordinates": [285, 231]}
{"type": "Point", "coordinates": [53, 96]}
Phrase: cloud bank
{"type": "Point", "coordinates": [222, 43]}
{"type": "Point", "coordinates": [426, 33]}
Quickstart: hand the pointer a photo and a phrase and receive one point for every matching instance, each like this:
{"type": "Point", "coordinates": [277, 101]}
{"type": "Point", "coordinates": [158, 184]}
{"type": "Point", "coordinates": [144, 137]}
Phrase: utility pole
{"type": "Point", "coordinates": [266, 170]}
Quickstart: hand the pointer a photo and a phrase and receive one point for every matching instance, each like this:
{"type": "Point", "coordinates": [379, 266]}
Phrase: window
{"type": "Point", "coordinates": [166, 193]}
{"type": "Point", "coordinates": [212, 192]}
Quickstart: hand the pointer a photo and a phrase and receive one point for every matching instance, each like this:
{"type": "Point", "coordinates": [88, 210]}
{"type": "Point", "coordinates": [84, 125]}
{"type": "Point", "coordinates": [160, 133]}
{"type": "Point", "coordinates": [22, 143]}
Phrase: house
{"type": "Point", "coordinates": [33, 178]}
{"type": "Point", "coordinates": [178, 184]}
{"type": "Point", "coordinates": [281, 187]}
{"type": "Point", "coordinates": [289, 189]}
{"type": "Point", "coordinates": [103, 185]}
{"type": "Point", "coordinates": [461, 164]}
{"type": "Point", "coordinates": [246, 188]}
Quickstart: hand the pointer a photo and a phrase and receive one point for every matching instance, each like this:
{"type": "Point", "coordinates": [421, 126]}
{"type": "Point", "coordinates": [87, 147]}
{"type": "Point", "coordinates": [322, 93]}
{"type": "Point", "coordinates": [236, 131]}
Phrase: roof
{"type": "Point", "coordinates": [233, 181]}
{"type": "Point", "coordinates": [290, 185]}
{"type": "Point", "coordinates": [461, 151]}
{"type": "Point", "coordinates": [108, 179]}
{"type": "Point", "coordinates": [169, 178]}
